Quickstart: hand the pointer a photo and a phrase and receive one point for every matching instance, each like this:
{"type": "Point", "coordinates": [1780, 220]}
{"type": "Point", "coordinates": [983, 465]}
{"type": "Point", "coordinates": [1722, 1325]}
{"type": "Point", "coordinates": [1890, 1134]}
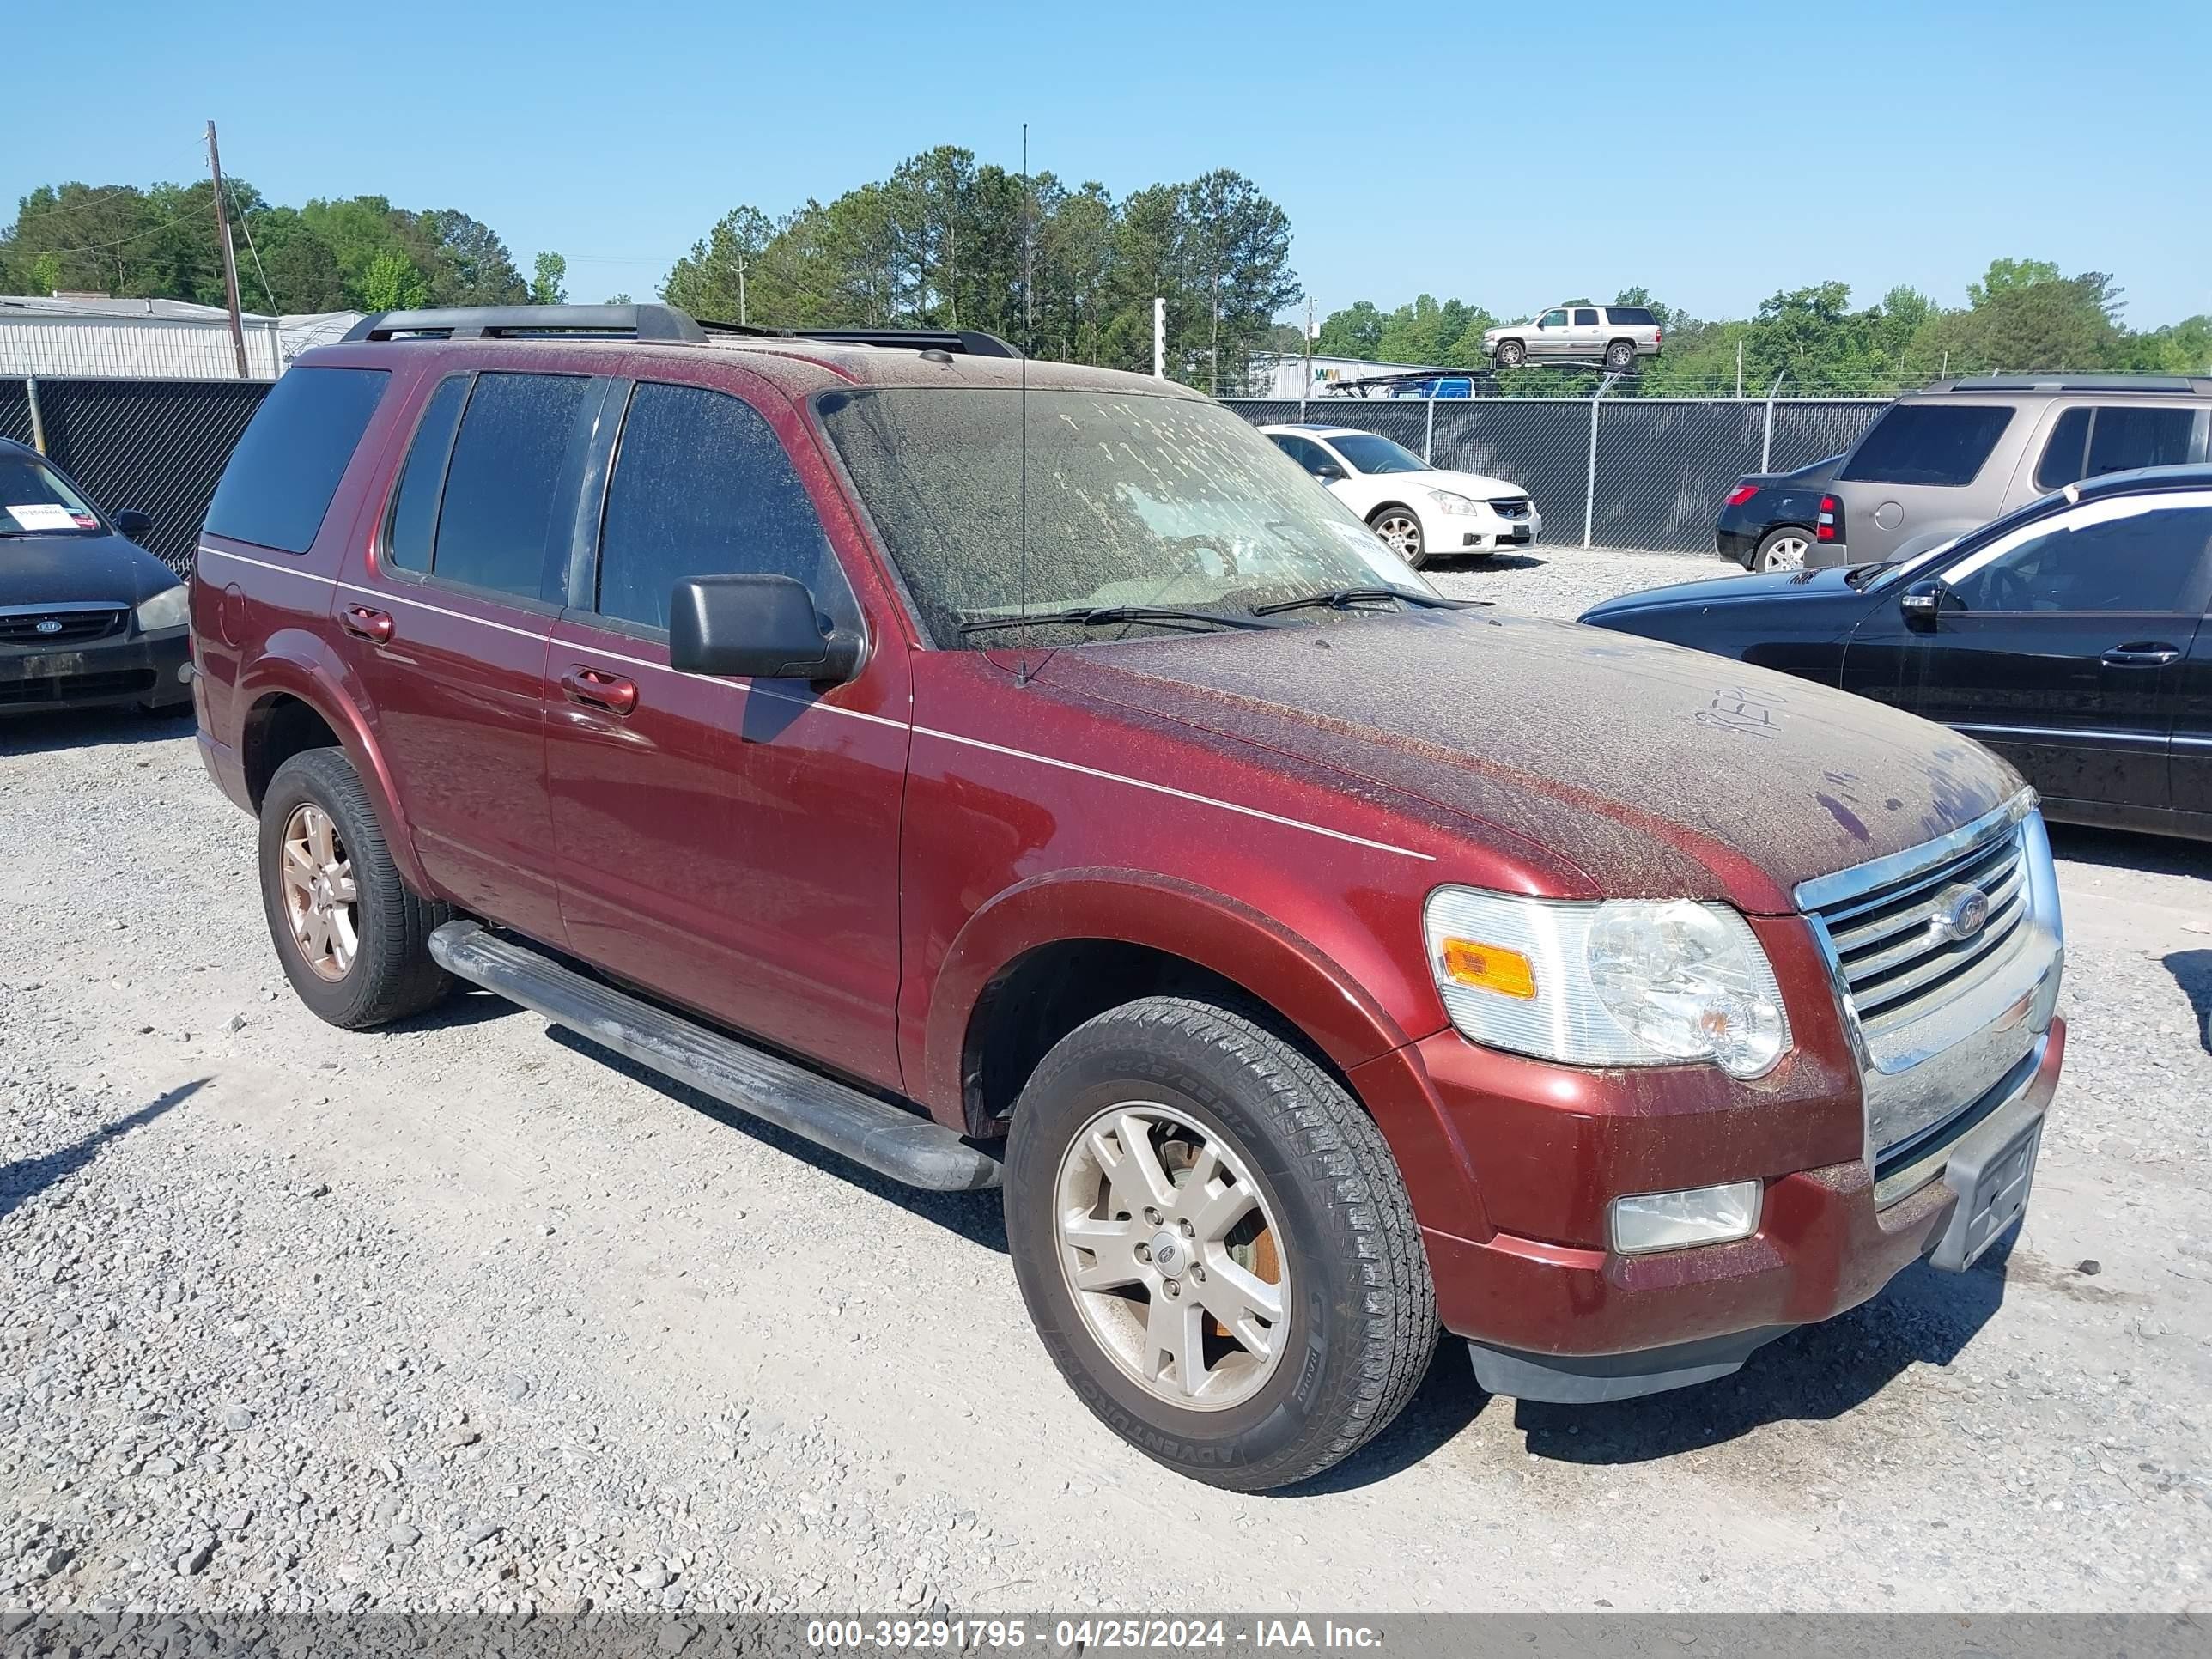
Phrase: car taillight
{"type": "Point", "coordinates": [1657, 335]}
{"type": "Point", "coordinates": [1740, 494]}
{"type": "Point", "coordinates": [1829, 526]}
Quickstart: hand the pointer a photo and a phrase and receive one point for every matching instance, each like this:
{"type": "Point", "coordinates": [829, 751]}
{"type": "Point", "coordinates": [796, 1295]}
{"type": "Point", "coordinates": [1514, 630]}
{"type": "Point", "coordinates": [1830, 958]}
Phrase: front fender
{"type": "Point", "coordinates": [297, 663]}
{"type": "Point", "coordinates": [1332, 1005]}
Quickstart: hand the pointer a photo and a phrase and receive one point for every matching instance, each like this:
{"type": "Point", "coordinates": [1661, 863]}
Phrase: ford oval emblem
{"type": "Point", "coordinates": [47, 625]}
{"type": "Point", "coordinates": [1960, 912]}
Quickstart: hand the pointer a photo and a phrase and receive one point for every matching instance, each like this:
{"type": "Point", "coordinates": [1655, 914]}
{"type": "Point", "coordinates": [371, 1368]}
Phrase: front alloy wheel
{"type": "Point", "coordinates": [1401, 533]}
{"type": "Point", "coordinates": [1170, 1254]}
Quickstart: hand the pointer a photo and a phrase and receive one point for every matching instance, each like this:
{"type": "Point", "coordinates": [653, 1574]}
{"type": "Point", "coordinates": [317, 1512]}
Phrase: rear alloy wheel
{"type": "Point", "coordinates": [1620, 357]}
{"type": "Point", "coordinates": [1511, 354]}
{"type": "Point", "coordinates": [1782, 549]}
{"type": "Point", "coordinates": [1190, 1202]}
{"type": "Point", "coordinates": [1400, 530]}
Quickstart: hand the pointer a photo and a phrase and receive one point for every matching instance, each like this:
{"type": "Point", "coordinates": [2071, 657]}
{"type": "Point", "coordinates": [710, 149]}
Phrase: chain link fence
{"type": "Point", "coordinates": [1644, 473]}
{"type": "Point", "coordinates": [159, 445]}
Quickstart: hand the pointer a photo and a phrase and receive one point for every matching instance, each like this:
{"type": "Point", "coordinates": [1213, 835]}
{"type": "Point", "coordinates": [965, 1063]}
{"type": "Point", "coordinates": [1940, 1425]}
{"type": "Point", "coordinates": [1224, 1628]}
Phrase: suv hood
{"type": "Point", "coordinates": [1650, 770]}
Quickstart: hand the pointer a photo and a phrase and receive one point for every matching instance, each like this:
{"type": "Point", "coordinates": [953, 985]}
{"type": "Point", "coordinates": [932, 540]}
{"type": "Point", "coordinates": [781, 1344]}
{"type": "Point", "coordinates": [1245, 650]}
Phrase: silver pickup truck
{"type": "Point", "coordinates": [1615, 336]}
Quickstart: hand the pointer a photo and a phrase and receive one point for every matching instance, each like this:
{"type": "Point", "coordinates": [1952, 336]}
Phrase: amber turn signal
{"type": "Point", "coordinates": [1489, 968]}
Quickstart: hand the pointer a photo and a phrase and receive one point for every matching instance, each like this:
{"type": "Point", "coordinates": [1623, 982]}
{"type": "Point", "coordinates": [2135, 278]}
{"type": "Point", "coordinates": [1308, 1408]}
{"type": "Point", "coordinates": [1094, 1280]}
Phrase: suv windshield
{"type": "Point", "coordinates": [1368, 453]}
{"type": "Point", "coordinates": [34, 500]}
{"type": "Point", "coordinates": [1131, 501]}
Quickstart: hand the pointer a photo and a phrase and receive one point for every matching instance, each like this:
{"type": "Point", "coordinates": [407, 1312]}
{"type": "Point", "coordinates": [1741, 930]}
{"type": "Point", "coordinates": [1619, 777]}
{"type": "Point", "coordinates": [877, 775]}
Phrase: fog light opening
{"type": "Point", "coordinates": [1700, 1215]}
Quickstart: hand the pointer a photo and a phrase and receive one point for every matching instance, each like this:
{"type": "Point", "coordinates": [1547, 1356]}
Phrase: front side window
{"type": "Point", "coordinates": [1132, 500]}
{"type": "Point", "coordinates": [1308, 455]}
{"type": "Point", "coordinates": [286, 469]}
{"type": "Point", "coordinates": [1365, 453]}
{"type": "Point", "coordinates": [502, 484]}
{"type": "Point", "coordinates": [1553, 319]}
{"type": "Point", "coordinates": [702, 487]}
{"type": "Point", "coordinates": [1939, 443]}
{"type": "Point", "coordinates": [2127, 553]}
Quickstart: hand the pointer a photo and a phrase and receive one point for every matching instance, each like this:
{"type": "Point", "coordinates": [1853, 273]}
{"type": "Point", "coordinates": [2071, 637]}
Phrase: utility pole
{"type": "Point", "coordinates": [1159, 339]}
{"type": "Point", "coordinates": [1305, 386]}
{"type": "Point", "coordinates": [229, 257]}
{"type": "Point", "coordinates": [742, 319]}
{"type": "Point", "coordinates": [1738, 368]}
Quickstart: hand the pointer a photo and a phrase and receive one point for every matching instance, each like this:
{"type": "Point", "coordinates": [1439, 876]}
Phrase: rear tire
{"type": "Point", "coordinates": [1783, 548]}
{"type": "Point", "coordinates": [1139, 1135]}
{"type": "Point", "coordinates": [1620, 357]}
{"type": "Point", "coordinates": [355, 942]}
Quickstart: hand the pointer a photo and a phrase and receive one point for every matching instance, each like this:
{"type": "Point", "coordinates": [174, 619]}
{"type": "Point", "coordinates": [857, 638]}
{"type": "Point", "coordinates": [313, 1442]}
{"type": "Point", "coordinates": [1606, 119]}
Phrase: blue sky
{"type": "Point", "coordinates": [1712, 153]}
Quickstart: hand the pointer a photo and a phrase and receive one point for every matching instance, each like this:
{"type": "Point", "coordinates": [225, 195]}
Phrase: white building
{"type": "Point", "coordinates": [94, 338]}
{"type": "Point", "coordinates": [1283, 375]}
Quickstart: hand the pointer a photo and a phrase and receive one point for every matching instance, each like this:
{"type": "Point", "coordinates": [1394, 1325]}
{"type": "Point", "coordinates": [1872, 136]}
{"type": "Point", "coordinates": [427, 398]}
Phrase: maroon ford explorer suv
{"type": "Point", "coordinates": [1016, 774]}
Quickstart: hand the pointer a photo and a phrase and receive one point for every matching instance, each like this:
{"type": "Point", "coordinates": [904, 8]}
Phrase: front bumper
{"type": "Point", "coordinates": [1483, 532]}
{"type": "Point", "coordinates": [139, 668]}
{"type": "Point", "coordinates": [1551, 1321]}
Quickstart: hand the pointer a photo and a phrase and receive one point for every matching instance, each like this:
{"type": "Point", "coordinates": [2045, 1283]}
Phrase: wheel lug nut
{"type": "Point", "coordinates": [1144, 1253]}
{"type": "Point", "coordinates": [1151, 1216]}
{"type": "Point", "coordinates": [1172, 1288]}
{"type": "Point", "coordinates": [1188, 1231]}
{"type": "Point", "coordinates": [1197, 1272]}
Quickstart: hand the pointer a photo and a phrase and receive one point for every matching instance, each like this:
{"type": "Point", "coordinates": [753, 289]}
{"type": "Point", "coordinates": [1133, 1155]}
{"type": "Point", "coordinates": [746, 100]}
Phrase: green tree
{"type": "Point", "coordinates": [545, 287]}
{"type": "Point", "coordinates": [391, 283]}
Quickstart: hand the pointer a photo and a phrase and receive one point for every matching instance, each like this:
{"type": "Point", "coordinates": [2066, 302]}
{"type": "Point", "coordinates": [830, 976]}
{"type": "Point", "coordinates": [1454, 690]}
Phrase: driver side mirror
{"type": "Point", "coordinates": [1922, 602]}
{"type": "Point", "coordinates": [761, 627]}
{"type": "Point", "coordinates": [1329, 472]}
{"type": "Point", "coordinates": [133, 525]}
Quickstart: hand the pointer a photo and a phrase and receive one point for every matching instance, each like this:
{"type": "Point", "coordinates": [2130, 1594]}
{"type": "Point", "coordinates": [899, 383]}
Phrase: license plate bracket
{"type": "Point", "coordinates": [1992, 1172]}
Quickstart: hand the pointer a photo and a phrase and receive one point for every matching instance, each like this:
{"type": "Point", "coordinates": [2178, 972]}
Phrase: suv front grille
{"type": "Point", "coordinates": [1896, 956]}
{"type": "Point", "coordinates": [1511, 507]}
{"type": "Point", "coordinates": [71, 627]}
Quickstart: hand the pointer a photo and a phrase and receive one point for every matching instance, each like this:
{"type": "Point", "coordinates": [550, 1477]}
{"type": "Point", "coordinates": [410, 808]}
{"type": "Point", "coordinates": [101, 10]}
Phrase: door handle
{"type": "Point", "coordinates": [2141, 656]}
{"type": "Point", "coordinates": [599, 689]}
{"type": "Point", "coordinates": [363, 623]}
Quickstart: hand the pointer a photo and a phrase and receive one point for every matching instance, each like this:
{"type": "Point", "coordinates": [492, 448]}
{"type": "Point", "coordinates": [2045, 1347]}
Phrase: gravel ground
{"type": "Point", "coordinates": [457, 1316]}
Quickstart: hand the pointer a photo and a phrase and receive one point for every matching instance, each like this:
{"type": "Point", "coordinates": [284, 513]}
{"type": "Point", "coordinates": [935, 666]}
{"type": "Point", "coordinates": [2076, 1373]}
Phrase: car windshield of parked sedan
{"type": "Point", "coordinates": [1129, 500]}
{"type": "Point", "coordinates": [1368, 454]}
{"type": "Point", "coordinates": [36, 500]}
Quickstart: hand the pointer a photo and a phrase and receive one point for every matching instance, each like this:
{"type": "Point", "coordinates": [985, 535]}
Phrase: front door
{"type": "Point", "coordinates": [445, 625]}
{"type": "Point", "coordinates": [2060, 644]}
{"type": "Point", "coordinates": [731, 845]}
{"type": "Point", "coordinates": [1549, 338]}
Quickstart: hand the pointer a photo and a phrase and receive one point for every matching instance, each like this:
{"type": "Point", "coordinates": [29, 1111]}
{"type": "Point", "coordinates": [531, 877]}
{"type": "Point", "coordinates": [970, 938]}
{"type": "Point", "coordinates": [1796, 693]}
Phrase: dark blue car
{"type": "Point", "coordinates": [87, 617]}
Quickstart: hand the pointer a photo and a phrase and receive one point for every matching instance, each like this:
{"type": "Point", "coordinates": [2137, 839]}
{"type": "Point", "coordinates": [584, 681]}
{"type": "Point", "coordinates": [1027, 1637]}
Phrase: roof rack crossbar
{"type": "Point", "coordinates": [637, 322]}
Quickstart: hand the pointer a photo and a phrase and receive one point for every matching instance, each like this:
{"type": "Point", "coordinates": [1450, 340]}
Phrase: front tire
{"type": "Point", "coordinates": [1782, 548]}
{"type": "Point", "coordinates": [355, 942]}
{"type": "Point", "coordinates": [1511, 354]}
{"type": "Point", "coordinates": [1215, 1244]}
{"type": "Point", "coordinates": [1400, 528]}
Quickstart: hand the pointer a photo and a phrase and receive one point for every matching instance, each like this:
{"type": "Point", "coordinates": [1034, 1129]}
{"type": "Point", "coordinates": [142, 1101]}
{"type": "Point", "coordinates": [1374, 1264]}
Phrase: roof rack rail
{"type": "Point", "coordinates": [637, 322]}
{"type": "Point", "coordinates": [972, 342]}
{"type": "Point", "coordinates": [2057, 380]}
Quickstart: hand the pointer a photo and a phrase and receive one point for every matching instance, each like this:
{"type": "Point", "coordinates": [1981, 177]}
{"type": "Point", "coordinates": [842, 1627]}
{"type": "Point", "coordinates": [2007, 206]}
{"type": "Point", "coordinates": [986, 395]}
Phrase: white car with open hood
{"type": "Point", "coordinates": [1422, 512]}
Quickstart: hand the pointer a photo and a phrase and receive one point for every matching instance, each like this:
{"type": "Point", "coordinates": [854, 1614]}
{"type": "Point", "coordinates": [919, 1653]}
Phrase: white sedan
{"type": "Point", "coordinates": [1421, 512]}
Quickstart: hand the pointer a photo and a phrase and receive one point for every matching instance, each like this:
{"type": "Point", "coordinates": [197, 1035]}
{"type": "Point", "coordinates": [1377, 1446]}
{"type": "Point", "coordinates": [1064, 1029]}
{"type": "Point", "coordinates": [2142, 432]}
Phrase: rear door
{"type": "Point", "coordinates": [1920, 471]}
{"type": "Point", "coordinates": [445, 625]}
{"type": "Point", "coordinates": [1585, 335]}
{"type": "Point", "coordinates": [730, 844]}
{"type": "Point", "coordinates": [2061, 644]}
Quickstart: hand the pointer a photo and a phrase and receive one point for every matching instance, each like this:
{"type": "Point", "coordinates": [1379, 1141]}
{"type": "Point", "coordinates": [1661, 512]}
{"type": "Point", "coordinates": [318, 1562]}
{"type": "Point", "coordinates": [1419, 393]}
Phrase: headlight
{"type": "Point", "coordinates": [166, 609]}
{"type": "Point", "coordinates": [1624, 983]}
{"type": "Point", "coordinates": [1447, 502]}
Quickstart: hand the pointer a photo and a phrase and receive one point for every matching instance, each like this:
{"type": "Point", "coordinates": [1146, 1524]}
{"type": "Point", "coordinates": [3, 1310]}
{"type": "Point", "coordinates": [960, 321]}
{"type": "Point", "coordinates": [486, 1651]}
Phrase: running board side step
{"type": "Point", "coordinates": [903, 1145]}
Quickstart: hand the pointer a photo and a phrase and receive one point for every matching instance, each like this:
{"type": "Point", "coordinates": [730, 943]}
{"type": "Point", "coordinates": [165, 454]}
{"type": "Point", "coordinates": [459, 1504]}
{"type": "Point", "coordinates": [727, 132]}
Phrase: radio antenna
{"type": "Point", "coordinates": [1028, 341]}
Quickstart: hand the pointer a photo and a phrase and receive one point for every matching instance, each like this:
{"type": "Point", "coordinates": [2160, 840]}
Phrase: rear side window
{"type": "Point", "coordinates": [414, 509]}
{"type": "Point", "coordinates": [500, 498]}
{"type": "Point", "coordinates": [1939, 443]}
{"type": "Point", "coordinates": [2086, 442]}
{"type": "Point", "coordinates": [1630, 316]}
{"type": "Point", "coordinates": [287, 467]}
{"type": "Point", "coordinates": [702, 487]}
{"type": "Point", "coordinates": [1586, 318]}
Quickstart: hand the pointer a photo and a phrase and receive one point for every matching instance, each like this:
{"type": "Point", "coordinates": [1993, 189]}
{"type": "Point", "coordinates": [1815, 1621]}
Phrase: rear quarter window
{"type": "Point", "coordinates": [287, 467]}
{"type": "Point", "coordinates": [1630, 315]}
{"type": "Point", "coordinates": [1942, 445]}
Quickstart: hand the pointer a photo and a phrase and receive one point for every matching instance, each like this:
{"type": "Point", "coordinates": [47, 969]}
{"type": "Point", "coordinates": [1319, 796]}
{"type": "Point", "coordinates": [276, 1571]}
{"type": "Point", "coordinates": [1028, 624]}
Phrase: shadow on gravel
{"type": "Point", "coordinates": [1816, 1373]}
{"type": "Point", "coordinates": [27, 1177]}
{"type": "Point", "coordinates": [1495, 561]}
{"type": "Point", "coordinates": [2192, 972]}
{"type": "Point", "coordinates": [975, 1216]}
{"type": "Point", "coordinates": [45, 734]}
{"type": "Point", "coordinates": [2119, 850]}
{"type": "Point", "coordinates": [467, 1006]}
{"type": "Point", "coordinates": [1446, 1402]}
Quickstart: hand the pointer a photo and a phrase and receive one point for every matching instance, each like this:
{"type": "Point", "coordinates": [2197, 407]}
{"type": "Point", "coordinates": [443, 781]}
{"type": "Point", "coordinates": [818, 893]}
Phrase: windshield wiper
{"type": "Point", "coordinates": [1105, 616]}
{"type": "Point", "coordinates": [1335, 599]}
{"type": "Point", "coordinates": [1860, 575]}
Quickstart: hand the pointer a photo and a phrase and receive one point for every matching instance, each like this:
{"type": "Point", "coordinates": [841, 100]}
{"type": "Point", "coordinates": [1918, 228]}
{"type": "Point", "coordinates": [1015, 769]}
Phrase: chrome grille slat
{"type": "Point", "coordinates": [1937, 969]}
{"type": "Point", "coordinates": [1858, 968]}
{"type": "Point", "coordinates": [1943, 875]}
